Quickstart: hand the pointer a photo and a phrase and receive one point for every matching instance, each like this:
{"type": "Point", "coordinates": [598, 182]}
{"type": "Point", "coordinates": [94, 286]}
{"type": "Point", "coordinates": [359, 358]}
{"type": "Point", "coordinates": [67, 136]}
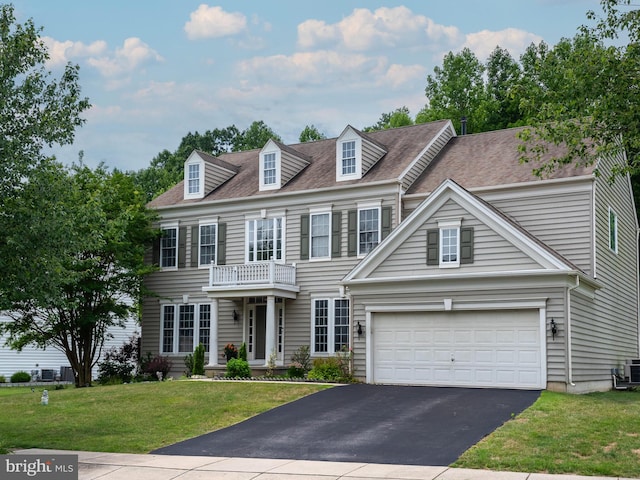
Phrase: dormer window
{"type": "Point", "coordinates": [270, 167]}
{"type": "Point", "coordinates": [194, 177]}
{"type": "Point", "coordinates": [349, 158]}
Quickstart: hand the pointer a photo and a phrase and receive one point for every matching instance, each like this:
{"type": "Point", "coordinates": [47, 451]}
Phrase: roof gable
{"type": "Point", "coordinates": [448, 192]}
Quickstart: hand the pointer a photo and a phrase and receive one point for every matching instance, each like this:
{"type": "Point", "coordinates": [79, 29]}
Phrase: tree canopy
{"type": "Point", "coordinates": [166, 168]}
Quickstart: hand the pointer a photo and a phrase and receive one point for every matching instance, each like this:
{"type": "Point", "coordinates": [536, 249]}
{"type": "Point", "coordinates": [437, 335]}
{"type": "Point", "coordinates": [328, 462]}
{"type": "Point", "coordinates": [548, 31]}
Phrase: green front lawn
{"type": "Point", "coordinates": [594, 434]}
{"type": "Point", "coordinates": [133, 418]}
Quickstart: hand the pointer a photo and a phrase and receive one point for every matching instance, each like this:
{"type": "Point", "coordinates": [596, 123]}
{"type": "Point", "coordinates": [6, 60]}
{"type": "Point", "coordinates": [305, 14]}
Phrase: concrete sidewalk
{"type": "Point", "coordinates": [124, 466]}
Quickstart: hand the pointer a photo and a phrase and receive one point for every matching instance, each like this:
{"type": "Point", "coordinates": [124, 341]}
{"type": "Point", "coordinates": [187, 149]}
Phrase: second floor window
{"type": "Point", "coordinates": [265, 239]}
{"type": "Point", "coordinates": [207, 244]}
{"type": "Point", "coordinates": [368, 229]}
{"type": "Point", "coordinates": [269, 172]}
{"type": "Point", "coordinates": [194, 178]}
{"type": "Point", "coordinates": [349, 158]}
{"type": "Point", "coordinates": [169, 248]}
{"type": "Point", "coordinates": [320, 235]}
{"type": "Point", "coordinates": [449, 245]}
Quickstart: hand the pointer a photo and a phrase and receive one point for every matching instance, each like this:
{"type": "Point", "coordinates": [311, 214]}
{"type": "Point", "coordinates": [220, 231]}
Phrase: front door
{"type": "Point", "coordinates": [261, 328]}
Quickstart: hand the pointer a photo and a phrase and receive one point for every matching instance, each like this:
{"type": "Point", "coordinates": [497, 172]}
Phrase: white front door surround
{"type": "Point", "coordinates": [473, 344]}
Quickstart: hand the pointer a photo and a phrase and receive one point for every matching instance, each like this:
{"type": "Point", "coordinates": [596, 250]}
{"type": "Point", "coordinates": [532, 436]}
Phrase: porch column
{"type": "Point", "coordinates": [213, 334]}
{"type": "Point", "coordinates": [270, 333]}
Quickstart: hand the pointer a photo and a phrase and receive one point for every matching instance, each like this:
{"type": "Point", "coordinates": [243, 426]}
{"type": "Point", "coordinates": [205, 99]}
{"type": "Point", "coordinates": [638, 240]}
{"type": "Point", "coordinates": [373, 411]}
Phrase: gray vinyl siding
{"type": "Point", "coordinates": [556, 359]}
{"type": "Point", "coordinates": [215, 176]}
{"type": "Point", "coordinates": [491, 251]}
{"type": "Point", "coordinates": [605, 332]}
{"type": "Point", "coordinates": [316, 278]}
{"type": "Point", "coordinates": [561, 219]}
{"type": "Point", "coordinates": [371, 153]}
{"type": "Point", "coordinates": [425, 159]}
{"type": "Point", "coordinates": [290, 166]}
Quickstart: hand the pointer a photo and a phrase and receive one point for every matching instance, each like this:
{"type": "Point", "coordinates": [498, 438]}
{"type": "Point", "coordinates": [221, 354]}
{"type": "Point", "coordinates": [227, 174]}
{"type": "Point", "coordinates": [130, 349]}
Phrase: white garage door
{"type": "Point", "coordinates": [473, 349]}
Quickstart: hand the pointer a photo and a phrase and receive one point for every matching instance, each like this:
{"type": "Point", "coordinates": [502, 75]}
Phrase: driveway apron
{"type": "Point", "coordinates": [367, 423]}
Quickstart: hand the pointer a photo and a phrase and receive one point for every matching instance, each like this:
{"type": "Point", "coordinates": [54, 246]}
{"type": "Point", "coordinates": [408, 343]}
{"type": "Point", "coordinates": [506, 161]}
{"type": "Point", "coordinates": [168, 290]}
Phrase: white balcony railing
{"type": "Point", "coordinates": [256, 273]}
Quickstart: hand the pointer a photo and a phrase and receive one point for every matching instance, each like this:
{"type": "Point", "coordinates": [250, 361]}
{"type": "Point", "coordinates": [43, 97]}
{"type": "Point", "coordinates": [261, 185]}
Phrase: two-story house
{"type": "Point", "coordinates": [438, 259]}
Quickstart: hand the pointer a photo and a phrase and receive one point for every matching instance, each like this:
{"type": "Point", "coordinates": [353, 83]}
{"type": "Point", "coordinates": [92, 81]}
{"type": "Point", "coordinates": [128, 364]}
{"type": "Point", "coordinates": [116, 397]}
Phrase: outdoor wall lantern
{"type": "Point", "coordinates": [554, 329]}
{"type": "Point", "coordinates": [235, 316]}
{"type": "Point", "coordinates": [359, 329]}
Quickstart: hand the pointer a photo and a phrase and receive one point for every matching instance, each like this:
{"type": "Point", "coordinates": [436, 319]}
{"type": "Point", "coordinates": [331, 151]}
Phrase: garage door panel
{"type": "Point", "coordinates": [485, 349]}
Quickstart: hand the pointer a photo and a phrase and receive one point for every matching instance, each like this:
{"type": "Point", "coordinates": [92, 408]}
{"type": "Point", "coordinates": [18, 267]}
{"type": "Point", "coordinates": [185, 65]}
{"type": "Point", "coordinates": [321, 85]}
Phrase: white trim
{"type": "Point", "coordinates": [278, 167]}
{"type": "Point", "coordinates": [348, 135]}
{"type": "Point", "coordinates": [170, 226]}
{"type": "Point", "coordinates": [201, 224]}
{"type": "Point", "coordinates": [368, 206]}
{"type": "Point", "coordinates": [611, 211]}
{"type": "Point", "coordinates": [194, 159]}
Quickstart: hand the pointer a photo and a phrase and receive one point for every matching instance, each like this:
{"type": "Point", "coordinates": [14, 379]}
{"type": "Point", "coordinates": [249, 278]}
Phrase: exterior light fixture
{"type": "Point", "coordinates": [235, 316]}
{"type": "Point", "coordinates": [359, 329]}
{"type": "Point", "coordinates": [554, 329]}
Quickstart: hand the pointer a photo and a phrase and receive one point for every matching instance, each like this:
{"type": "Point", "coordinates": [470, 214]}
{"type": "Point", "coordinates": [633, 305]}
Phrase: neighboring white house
{"type": "Point", "coordinates": [32, 358]}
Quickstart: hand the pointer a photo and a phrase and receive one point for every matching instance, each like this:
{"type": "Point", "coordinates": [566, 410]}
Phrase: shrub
{"type": "Point", "coordinates": [331, 369]}
{"type": "Point", "coordinates": [237, 368]}
{"type": "Point", "coordinates": [188, 362]}
{"type": "Point", "coordinates": [2, 379]}
{"type": "Point", "coordinates": [230, 351]}
{"type": "Point", "coordinates": [20, 377]}
{"type": "Point", "coordinates": [120, 363]}
{"type": "Point", "coordinates": [302, 357]}
{"type": "Point", "coordinates": [198, 360]}
{"type": "Point", "coordinates": [296, 370]}
{"type": "Point", "coordinates": [242, 353]}
{"type": "Point", "coordinates": [158, 364]}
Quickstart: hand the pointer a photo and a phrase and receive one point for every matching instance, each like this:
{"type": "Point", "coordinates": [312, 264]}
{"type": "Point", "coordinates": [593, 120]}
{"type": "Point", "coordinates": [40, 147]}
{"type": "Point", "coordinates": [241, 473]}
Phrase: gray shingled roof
{"type": "Point", "coordinates": [479, 160]}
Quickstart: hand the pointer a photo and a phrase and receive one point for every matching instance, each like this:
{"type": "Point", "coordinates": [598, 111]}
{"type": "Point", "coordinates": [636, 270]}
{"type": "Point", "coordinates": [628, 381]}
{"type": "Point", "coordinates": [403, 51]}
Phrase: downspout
{"type": "Point", "coordinates": [638, 286]}
{"type": "Point", "coordinates": [568, 330]}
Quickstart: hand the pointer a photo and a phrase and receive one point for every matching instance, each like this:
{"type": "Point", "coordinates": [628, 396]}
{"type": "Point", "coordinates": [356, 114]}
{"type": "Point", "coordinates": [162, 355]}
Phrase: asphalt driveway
{"type": "Point", "coordinates": [367, 423]}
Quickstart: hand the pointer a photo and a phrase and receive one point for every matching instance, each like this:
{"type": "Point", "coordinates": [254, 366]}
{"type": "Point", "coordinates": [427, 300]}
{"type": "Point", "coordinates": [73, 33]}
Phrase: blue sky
{"type": "Point", "coordinates": [155, 70]}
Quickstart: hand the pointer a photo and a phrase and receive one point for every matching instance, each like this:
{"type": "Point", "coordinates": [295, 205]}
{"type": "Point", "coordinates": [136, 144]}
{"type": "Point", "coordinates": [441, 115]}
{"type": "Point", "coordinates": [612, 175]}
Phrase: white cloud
{"type": "Point", "coordinates": [62, 52]}
{"type": "Point", "coordinates": [383, 28]}
{"type": "Point", "coordinates": [133, 53]}
{"type": "Point", "coordinates": [214, 22]}
{"type": "Point", "coordinates": [399, 75]}
{"type": "Point", "coordinates": [512, 39]}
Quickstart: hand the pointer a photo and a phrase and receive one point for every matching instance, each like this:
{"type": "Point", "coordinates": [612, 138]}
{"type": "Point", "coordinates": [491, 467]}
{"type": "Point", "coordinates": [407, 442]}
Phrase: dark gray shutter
{"type": "Point", "coordinates": [195, 238]}
{"type": "Point", "coordinates": [304, 236]}
{"type": "Point", "coordinates": [352, 234]}
{"type": "Point", "coordinates": [182, 247]}
{"type": "Point", "coordinates": [386, 222]}
{"type": "Point", "coordinates": [155, 251]}
{"type": "Point", "coordinates": [433, 241]}
{"type": "Point", "coordinates": [222, 244]}
{"type": "Point", "coordinates": [466, 245]}
{"type": "Point", "coordinates": [336, 234]}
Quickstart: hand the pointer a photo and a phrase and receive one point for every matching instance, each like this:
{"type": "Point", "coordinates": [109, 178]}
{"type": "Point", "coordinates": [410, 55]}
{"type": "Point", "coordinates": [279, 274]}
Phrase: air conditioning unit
{"type": "Point", "coordinates": [632, 371]}
{"type": "Point", "coordinates": [49, 375]}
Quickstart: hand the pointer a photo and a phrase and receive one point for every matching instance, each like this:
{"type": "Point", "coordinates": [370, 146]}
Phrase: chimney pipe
{"type": "Point", "coordinates": [463, 125]}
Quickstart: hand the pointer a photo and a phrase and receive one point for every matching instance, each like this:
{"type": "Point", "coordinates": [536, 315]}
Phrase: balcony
{"type": "Point", "coordinates": [252, 279]}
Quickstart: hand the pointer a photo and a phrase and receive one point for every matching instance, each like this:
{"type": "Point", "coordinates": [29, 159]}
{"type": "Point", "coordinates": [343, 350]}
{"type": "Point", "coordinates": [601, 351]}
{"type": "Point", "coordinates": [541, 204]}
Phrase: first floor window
{"type": "Point", "coordinates": [204, 331]}
{"type": "Point", "coordinates": [330, 325]}
{"type": "Point", "coordinates": [264, 240]}
{"type": "Point", "coordinates": [184, 327]}
{"type": "Point", "coordinates": [169, 248]}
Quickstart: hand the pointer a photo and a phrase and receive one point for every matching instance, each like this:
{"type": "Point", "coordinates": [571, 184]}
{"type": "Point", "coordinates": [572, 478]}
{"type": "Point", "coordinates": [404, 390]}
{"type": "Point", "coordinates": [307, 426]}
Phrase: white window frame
{"type": "Point", "coordinates": [249, 232]}
{"type": "Point", "coordinates": [207, 223]}
{"type": "Point", "coordinates": [277, 159]}
{"type": "Point", "coordinates": [166, 227]}
{"type": "Point", "coordinates": [613, 230]}
{"type": "Point", "coordinates": [318, 213]}
{"type": "Point", "coordinates": [346, 137]}
{"type": "Point", "coordinates": [175, 330]}
{"type": "Point", "coordinates": [190, 193]}
{"type": "Point", "coordinates": [365, 207]}
{"type": "Point", "coordinates": [452, 224]}
{"type": "Point", "coordinates": [331, 325]}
